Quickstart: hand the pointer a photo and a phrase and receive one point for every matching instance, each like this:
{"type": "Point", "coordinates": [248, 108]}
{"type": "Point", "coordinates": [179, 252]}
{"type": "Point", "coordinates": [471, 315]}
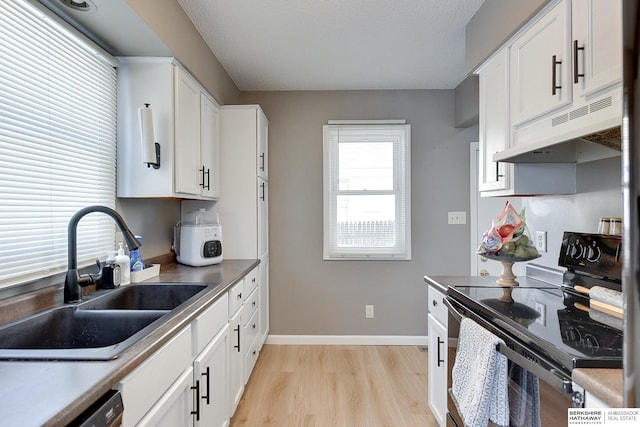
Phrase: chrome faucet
{"type": "Point", "coordinates": [74, 281]}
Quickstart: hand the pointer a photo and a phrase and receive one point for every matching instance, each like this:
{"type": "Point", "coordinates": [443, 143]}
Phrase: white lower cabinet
{"type": "Point", "coordinates": [263, 298]}
{"type": "Point", "coordinates": [438, 355]}
{"type": "Point", "coordinates": [152, 381]}
{"type": "Point", "coordinates": [198, 377]}
{"type": "Point", "coordinates": [236, 361]}
{"type": "Point", "coordinates": [175, 406]}
{"type": "Point", "coordinates": [210, 372]}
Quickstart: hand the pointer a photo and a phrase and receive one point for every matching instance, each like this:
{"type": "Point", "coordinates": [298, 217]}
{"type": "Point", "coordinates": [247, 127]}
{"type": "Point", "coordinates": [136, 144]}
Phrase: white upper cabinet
{"type": "Point", "coordinates": [596, 45]}
{"type": "Point", "coordinates": [244, 193]}
{"type": "Point", "coordinates": [540, 64]}
{"type": "Point", "coordinates": [209, 147]}
{"type": "Point", "coordinates": [187, 133]}
{"type": "Point", "coordinates": [186, 125]}
{"type": "Point", "coordinates": [565, 74]}
{"type": "Point", "coordinates": [494, 122]}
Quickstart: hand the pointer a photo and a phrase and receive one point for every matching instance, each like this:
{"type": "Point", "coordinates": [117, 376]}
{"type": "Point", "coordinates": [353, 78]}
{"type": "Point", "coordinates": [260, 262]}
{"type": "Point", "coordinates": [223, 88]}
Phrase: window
{"type": "Point", "coordinates": [367, 191]}
{"type": "Point", "coordinates": [57, 143]}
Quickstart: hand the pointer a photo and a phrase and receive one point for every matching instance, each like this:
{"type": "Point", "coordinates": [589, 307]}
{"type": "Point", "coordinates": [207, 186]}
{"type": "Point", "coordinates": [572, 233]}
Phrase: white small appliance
{"type": "Point", "coordinates": [197, 239]}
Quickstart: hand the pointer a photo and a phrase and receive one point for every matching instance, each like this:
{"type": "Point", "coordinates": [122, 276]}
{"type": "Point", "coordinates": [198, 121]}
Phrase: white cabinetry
{"type": "Point", "coordinates": [210, 366]}
{"type": "Point", "coordinates": [243, 204]}
{"type": "Point", "coordinates": [236, 357]}
{"type": "Point", "coordinates": [494, 122]}
{"type": "Point", "coordinates": [186, 125]}
{"type": "Point", "coordinates": [210, 372]}
{"type": "Point", "coordinates": [438, 355]}
{"type": "Point", "coordinates": [565, 79]}
{"type": "Point", "coordinates": [244, 197]}
{"type": "Point", "coordinates": [597, 45]}
{"type": "Point", "coordinates": [185, 383]}
{"type": "Point", "coordinates": [152, 381]}
{"type": "Point", "coordinates": [540, 64]}
{"type": "Point", "coordinates": [501, 178]}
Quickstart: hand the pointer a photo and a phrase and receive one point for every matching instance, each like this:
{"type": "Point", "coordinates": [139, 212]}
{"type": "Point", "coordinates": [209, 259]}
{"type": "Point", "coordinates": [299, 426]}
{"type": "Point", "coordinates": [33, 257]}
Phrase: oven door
{"type": "Point", "coordinates": [554, 386]}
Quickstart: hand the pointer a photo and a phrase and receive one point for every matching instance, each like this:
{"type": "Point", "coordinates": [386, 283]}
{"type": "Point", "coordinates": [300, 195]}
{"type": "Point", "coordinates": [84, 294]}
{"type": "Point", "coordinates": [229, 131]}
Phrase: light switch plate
{"type": "Point", "coordinates": [457, 218]}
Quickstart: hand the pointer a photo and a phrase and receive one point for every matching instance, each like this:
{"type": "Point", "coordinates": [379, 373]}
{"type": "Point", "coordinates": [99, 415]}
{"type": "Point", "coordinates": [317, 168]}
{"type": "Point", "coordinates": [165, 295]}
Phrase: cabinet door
{"type": "Point", "coordinates": [262, 134]}
{"type": "Point", "coordinates": [210, 376]}
{"type": "Point", "coordinates": [263, 218]}
{"type": "Point", "coordinates": [437, 370]}
{"type": "Point", "coordinates": [597, 41]}
{"type": "Point", "coordinates": [494, 122]}
{"type": "Point", "coordinates": [236, 361]}
{"type": "Point", "coordinates": [187, 134]}
{"type": "Point", "coordinates": [263, 289]}
{"type": "Point", "coordinates": [143, 387]}
{"type": "Point", "coordinates": [538, 84]}
{"type": "Point", "coordinates": [174, 409]}
{"type": "Point", "coordinates": [209, 147]}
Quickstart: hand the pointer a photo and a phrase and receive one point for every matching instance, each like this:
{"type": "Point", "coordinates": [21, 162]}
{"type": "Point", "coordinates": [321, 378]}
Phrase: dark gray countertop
{"type": "Point", "coordinates": [48, 393]}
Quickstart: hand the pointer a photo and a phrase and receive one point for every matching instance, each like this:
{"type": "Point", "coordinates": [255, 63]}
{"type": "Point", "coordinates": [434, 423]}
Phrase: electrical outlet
{"type": "Point", "coordinates": [368, 311]}
{"type": "Point", "coordinates": [457, 218]}
{"type": "Point", "coordinates": [542, 309]}
{"type": "Point", "coordinates": [541, 241]}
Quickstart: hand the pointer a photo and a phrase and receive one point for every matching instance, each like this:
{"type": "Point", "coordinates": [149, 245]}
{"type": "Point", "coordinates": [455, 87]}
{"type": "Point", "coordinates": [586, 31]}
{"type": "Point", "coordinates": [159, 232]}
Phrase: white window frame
{"type": "Point", "coordinates": [57, 143]}
{"type": "Point", "coordinates": [400, 133]}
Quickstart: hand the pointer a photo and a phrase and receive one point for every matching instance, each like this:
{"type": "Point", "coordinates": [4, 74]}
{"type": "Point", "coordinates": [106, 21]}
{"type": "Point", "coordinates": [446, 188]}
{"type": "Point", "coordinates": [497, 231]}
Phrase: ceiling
{"type": "Point", "coordinates": [276, 45]}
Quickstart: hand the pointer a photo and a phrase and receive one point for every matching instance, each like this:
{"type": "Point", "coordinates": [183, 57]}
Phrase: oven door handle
{"type": "Point", "coordinates": [556, 380]}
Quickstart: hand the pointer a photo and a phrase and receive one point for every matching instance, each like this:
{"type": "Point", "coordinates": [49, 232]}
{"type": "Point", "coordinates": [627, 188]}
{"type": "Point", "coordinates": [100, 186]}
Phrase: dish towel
{"type": "Point", "coordinates": [524, 397]}
{"type": "Point", "coordinates": [480, 377]}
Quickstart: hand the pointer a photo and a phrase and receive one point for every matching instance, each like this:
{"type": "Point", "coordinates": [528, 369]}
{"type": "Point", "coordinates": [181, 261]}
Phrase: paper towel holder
{"type": "Point", "coordinates": [150, 148]}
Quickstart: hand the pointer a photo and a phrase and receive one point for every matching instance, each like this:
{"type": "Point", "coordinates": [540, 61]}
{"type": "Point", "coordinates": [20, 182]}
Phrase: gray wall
{"type": "Point", "coordinates": [312, 296]}
{"type": "Point", "coordinates": [167, 19]}
{"type": "Point", "coordinates": [493, 24]}
{"type": "Point", "coordinates": [154, 219]}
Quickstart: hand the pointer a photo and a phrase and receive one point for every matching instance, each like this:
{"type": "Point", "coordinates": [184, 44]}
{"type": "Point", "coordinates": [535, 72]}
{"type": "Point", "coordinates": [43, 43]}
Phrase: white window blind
{"type": "Point", "coordinates": [367, 191]}
{"type": "Point", "coordinates": [57, 144]}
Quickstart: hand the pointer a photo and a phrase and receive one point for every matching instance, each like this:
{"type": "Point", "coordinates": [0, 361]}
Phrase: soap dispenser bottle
{"type": "Point", "coordinates": [125, 268]}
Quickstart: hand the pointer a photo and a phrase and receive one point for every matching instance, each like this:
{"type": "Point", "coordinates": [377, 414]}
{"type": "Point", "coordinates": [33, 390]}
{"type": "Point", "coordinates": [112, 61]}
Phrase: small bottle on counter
{"type": "Point", "coordinates": [124, 262]}
{"type": "Point", "coordinates": [615, 226]}
{"type": "Point", "coordinates": [136, 259]}
{"type": "Point", "coordinates": [603, 225]}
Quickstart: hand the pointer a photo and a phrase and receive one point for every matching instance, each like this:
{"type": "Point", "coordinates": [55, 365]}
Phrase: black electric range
{"type": "Point", "coordinates": [544, 317]}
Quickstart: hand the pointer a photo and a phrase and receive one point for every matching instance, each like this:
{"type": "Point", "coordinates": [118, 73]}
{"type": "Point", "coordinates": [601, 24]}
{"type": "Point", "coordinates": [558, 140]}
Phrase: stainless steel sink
{"type": "Point", "coordinates": [152, 296]}
{"type": "Point", "coordinates": [98, 329]}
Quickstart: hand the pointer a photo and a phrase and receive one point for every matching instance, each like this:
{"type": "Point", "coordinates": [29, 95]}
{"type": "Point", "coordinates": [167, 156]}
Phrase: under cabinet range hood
{"type": "Point", "coordinates": [594, 146]}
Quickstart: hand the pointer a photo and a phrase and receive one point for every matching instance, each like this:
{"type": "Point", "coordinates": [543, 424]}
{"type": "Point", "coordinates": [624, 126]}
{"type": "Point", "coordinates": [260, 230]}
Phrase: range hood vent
{"type": "Point", "coordinates": [594, 146]}
{"type": "Point", "coordinates": [610, 138]}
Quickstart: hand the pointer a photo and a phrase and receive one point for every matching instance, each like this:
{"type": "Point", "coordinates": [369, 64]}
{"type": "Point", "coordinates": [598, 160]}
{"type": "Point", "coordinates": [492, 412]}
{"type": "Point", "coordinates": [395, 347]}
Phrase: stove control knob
{"type": "Point", "coordinates": [573, 334]}
{"type": "Point", "coordinates": [591, 342]}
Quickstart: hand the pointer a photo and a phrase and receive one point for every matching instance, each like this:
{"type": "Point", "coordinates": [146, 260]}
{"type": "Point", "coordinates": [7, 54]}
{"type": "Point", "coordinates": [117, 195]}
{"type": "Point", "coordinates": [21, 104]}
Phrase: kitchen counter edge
{"type": "Point", "coordinates": [99, 377]}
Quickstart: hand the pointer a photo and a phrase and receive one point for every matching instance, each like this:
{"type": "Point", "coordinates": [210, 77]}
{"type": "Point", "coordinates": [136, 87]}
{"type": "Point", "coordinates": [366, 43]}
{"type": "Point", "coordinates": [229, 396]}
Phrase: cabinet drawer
{"type": "Point", "coordinates": [253, 348]}
{"type": "Point", "coordinates": [250, 332]}
{"type": "Point", "coordinates": [250, 282]}
{"type": "Point", "coordinates": [147, 383]}
{"type": "Point", "coordinates": [235, 297]}
{"type": "Point", "coordinates": [436, 306]}
{"type": "Point", "coordinates": [250, 306]}
{"type": "Point", "coordinates": [209, 323]}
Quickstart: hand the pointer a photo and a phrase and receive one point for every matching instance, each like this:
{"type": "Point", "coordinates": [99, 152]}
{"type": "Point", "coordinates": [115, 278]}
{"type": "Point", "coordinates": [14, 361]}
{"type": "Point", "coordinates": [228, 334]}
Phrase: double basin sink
{"type": "Point", "coordinates": [100, 328]}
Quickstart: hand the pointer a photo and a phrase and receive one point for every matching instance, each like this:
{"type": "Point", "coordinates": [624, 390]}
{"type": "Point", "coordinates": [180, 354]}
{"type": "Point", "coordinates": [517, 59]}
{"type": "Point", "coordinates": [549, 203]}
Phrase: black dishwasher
{"type": "Point", "coordinates": [106, 412]}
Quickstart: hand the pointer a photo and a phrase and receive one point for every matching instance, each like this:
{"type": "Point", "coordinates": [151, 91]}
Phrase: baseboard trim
{"type": "Point", "coordinates": [346, 340]}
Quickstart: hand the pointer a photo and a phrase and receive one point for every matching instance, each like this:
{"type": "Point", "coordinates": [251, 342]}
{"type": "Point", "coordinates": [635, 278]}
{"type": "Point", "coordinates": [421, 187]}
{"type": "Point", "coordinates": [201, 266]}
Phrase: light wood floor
{"type": "Point", "coordinates": [336, 386]}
